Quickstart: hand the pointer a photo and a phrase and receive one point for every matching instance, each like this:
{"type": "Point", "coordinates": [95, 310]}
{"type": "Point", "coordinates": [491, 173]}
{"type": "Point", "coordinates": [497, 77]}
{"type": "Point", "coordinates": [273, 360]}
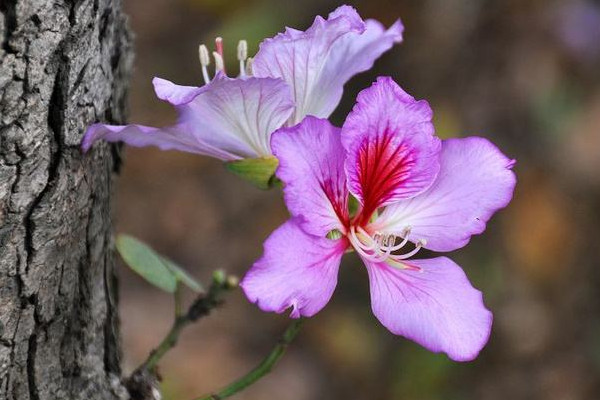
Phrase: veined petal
{"type": "Point", "coordinates": [297, 271]}
{"type": "Point", "coordinates": [474, 182]}
{"type": "Point", "coordinates": [170, 138]}
{"type": "Point", "coordinates": [432, 304]}
{"type": "Point", "coordinates": [175, 94]}
{"type": "Point", "coordinates": [350, 55]}
{"type": "Point", "coordinates": [318, 62]}
{"type": "Point", "coordinates": [227, 119]}
{"type": "Point", "coordinates": [238, 115]}
{"type": "Point", "coordinates": [392, 152]}
{"type": "Point", "coordinates": [311, 164]}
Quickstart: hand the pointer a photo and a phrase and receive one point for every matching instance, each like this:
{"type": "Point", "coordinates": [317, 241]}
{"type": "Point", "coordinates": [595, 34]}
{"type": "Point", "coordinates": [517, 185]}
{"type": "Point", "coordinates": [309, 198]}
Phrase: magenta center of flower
{"type": "Point", "coordinates": [384, 165]}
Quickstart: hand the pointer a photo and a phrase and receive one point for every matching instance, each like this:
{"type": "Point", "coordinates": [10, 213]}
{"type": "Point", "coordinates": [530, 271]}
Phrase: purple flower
{"type": "Point", "coordinates": [410, 187]}
{"type": "Point", "coordinates": [293, 75]}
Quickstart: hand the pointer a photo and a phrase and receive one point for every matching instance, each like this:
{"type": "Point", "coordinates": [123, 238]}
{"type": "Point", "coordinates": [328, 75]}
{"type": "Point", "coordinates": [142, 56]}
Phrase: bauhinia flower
{"type": "Point", "coordinates": [294, 74]}
{"type": "Point", "coordinates": [378, 184]}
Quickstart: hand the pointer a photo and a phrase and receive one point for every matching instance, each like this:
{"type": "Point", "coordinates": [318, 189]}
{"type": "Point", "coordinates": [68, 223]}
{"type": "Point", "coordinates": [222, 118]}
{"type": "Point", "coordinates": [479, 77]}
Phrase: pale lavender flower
{"type": "Point", "coordinates": [410, 187]}
{"type": "Point", "coordinates": [294, 74]}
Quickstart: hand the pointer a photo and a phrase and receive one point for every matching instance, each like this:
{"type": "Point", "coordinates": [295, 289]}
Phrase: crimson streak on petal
{"type": "Point", "coordinates": [384, 165]}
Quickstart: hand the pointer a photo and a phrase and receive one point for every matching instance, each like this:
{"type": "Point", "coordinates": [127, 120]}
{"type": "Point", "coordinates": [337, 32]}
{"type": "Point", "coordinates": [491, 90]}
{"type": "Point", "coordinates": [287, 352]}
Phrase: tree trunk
{"type": "Point", "coordinates": [63, 65]}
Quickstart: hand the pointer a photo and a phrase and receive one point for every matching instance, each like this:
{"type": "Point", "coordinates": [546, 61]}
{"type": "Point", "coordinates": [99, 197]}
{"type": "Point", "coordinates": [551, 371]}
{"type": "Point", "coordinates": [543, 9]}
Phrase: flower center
{"type": "Point", "coordinates": [242, 56]}
{"type": "Point", "coordinates": [379, 247]}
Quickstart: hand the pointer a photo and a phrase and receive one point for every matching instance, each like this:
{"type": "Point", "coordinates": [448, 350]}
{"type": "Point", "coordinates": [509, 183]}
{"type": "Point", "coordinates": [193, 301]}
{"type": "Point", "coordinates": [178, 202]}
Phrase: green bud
{"type": "Point", "coordinates": [219, 276]}
{"type": "Point", "coordinates": [258, 171]}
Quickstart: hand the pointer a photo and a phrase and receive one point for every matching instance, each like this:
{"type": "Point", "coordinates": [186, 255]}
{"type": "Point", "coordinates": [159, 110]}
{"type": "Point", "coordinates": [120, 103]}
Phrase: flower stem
{"type": "Point", "coordinates": [144, 380]}
{"type": "Point", "coordinates": [201, 307]}
{"type": "Point", "coordinates": [262, 369]}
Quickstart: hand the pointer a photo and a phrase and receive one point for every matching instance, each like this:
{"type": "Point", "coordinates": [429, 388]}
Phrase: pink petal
{"type": "Point", "coordinates": [175, 94]}
{"type": "Point", "coordinates": [474, 182]}
{"type": "Point", "coordinates": [228, 118]}
{"type": "Point", "coordinates": [170, 138]}
{"type": "Point", "coordinates": [239, 115]}
{"type": "Point", "coordinates": [311, 164]}
{"type": "Point", "coordinates": [318, 62]}
{"type": "Point", "coordinates": [352, 54]}
{"type": "Point", "coordinates": [433, 305]}
{"type": "Point", "coordinates": [392, 153]}
{"type": "Point", "coordinates": [297, 270]}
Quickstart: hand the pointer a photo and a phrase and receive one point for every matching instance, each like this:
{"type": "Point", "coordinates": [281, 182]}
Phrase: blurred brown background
{"type": "Point", "coordinates": [525, 74]}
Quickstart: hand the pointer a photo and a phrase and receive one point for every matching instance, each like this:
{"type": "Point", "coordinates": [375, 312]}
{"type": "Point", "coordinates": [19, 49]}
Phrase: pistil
{"type": "Point", "coordinates": [219, 55]}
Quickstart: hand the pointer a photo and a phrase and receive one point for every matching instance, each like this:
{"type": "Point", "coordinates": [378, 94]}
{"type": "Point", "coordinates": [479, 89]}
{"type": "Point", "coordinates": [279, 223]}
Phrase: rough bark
{"type": "Point", "coordinates": [63, 65]}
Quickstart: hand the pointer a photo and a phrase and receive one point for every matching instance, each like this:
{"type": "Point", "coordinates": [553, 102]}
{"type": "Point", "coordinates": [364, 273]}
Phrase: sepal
{"type": "Point", "coordinates": [258, 171]}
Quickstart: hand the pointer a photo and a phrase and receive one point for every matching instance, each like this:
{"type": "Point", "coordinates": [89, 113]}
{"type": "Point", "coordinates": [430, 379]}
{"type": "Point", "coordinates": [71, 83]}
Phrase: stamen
{"type": "Point", "coordinates": [359, 249]}
{"type": "Point", "coordinates": [219, 66]}
{"type": "Point", "coordinates": [242, 54]}
{"type": "Point", "coordinates": [420, 244]}
{"type": "Point", "coordinates": [359, 242]}
{"type": "Point", "coordinates": [369, 250]}
{"type": "Point", "coordinates": [204, 62]}
{"type": "Point", "coordinates": [219, 46]}
{"type": "Point", "coordinates": [373, 244]}
{"type": "Point", "coordinates": [379, 247]}
{"type": "Point", "coordinates": [405, 235]}
{"type": "Point", "coordinates": [249, 65]}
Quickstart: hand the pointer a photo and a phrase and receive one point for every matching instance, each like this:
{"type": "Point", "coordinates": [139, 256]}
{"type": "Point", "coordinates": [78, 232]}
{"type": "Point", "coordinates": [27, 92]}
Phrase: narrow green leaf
{"type": "Point", "coordinates": [146, 262]}
{"type": "Point", "coordinates": [258, 171]}
{"type": "Point", "coordinates": [183, 276]}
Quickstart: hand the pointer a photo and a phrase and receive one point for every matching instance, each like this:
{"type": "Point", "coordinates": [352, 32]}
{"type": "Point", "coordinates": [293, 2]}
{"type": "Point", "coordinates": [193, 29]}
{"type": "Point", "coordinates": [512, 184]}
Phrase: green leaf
{"type": "Point", "coordinates": [156, 269]}
{"type": "Point", "coordinates": [258, 171]}
{"type": "Point", "coordinates": [183, 276]}
{"type": "Point", "coordinates": [146, 262]}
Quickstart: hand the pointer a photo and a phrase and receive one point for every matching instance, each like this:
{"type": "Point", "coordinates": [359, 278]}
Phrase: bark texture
{"type": "Point", "coordinates": [63, 65]}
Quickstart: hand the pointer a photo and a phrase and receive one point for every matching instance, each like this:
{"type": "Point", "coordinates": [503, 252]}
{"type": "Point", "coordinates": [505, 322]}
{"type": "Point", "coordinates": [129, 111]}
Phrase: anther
{"type": "Point", "coordinates": [242, 54]}
{"type": "Point", "coordinates": [405, 234]}
{"type": "Point", "coordinates": [204, 62]}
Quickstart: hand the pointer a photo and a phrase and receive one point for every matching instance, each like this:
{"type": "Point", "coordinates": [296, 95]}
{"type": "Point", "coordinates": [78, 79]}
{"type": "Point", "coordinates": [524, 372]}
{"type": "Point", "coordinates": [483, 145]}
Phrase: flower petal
{"type": "Point", "coordinates": [311, 164]}
{"type": "Point", "coordinates": [175, 94]}
{"type": "Point", "coordinates": [475, 181]}
{"type": "Point", "coordinates": [170, 138]}
{"type": "Point", "coordinates": [318, 62]}
{"type": "Point", "coordinates": [297, 270]}
{"type": "Point", "coordinates": [432, 304]}
{"type": "Point", "coordinates": [239, 115]}
{"type": "Point", "coordinates": [352, 54]}
{"type": "Point", "coordinates": [228, 119]}
{"type": "Point", "coordinates": [392, 153]}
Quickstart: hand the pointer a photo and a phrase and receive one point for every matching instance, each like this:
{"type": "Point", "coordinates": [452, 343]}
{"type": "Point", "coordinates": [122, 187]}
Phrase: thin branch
{"type": "Point", "coordinates": [143, 380]}
{"type": "Point", "coordinates": [201, 307]}
{"type": "Point", "coordinates": [262, 369]}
